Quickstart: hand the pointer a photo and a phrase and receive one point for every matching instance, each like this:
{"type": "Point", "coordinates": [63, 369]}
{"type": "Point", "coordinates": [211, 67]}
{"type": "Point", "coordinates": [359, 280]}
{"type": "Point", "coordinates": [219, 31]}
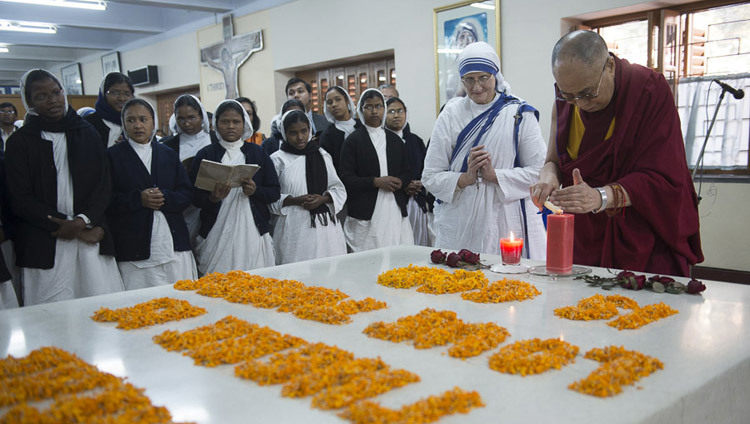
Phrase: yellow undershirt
{"type": "Point", "coordinates": [575, 135]}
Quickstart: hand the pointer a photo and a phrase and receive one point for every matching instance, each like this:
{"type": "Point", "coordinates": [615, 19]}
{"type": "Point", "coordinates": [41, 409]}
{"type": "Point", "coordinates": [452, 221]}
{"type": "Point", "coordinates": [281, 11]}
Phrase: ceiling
{"type": "Point", "coordinates": [84, 33]}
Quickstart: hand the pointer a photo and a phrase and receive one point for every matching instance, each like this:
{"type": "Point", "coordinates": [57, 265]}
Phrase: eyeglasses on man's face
{"type": "Point", "coordinates": [469, 82]}
{"type": "Point", "coordinates": [566, 97]}
{"type": "Point", "coordinates": [7, 112]}
{"type": "Point", "coordinates": [394, 112]}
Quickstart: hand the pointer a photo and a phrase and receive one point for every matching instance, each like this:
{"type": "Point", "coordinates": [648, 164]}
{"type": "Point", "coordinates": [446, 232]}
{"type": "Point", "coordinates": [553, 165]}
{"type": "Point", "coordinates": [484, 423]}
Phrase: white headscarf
{"type": "Point", "coordinates": [283, 130]}
{"type": "Point", "coordinates": [246, 132]}
{"type": "Point", "coordinates": [173, 119]}
{"type": "Point", "coordinates": [361, 103]}
{"type": "Point", "coordinates": [147, 105]}
{"type": "Point", "coordinates": [347, 127]}
{"type": "Point", "coordinates": [29, 109]}
{"type": "Point", "coordinates": [86, 110]}
{"type": "Point", "coordinates": [481, 57]}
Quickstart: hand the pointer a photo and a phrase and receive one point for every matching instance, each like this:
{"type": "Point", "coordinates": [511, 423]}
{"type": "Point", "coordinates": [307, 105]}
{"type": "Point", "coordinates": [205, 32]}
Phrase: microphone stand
{"type": "Point", "coordinates": [705, 142]}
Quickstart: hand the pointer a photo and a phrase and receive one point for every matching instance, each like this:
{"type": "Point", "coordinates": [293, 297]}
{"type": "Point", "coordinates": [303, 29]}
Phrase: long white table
{"type": "Point", "coordinates": [704, 348]}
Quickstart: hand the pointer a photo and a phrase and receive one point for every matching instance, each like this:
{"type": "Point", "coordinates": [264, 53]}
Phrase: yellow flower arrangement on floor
{"type": "Point", "coordinates": [505, 290]}
{"type": "Point", "coordinates": [433, 280]}
{"type": "Point", "coordinates": [533, 356]}
{"type": "Point", "coordinates": [155, 311]}
{"type": "Point", "coordinates": [619, 367]}
{"type": "Point", "coordinates": [78, 392]}
{"type": "Point", "coordinates": [598, 307]}
{"type": "Point", "coordinates": [306, 302]}
{"type": "Point", "coordinates": [423, 411]}
{"type": "Point", "coordinates": [430, 328]}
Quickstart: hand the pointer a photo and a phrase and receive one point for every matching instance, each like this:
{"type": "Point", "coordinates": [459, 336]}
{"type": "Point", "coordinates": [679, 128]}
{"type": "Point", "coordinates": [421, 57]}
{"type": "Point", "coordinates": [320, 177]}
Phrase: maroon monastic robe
{"type": "Point", "coordinates": [659, 232]}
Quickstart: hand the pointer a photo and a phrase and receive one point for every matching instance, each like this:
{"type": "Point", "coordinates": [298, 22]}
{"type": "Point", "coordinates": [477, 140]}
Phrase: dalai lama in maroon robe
{"type": "Point", "coordinates": [618, 152]}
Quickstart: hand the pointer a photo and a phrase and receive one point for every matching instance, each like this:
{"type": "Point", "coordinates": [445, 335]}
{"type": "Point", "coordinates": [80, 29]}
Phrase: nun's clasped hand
{"type": "Point", "coordinates": [152, 198]}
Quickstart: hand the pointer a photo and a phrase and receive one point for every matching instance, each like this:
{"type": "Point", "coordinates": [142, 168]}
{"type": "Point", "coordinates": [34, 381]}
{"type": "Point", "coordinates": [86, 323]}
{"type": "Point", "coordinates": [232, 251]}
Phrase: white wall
{"type": "Point", "coordinates": [402, 26]}
{"type": "Point", "coordinates": [307, 32]}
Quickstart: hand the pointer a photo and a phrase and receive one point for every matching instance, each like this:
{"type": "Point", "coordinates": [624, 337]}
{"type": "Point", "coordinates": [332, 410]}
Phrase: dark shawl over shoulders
{"type": "Point", "coordinates": [32, 185]}
{"type": "Point", "coordinates": [131, 222]}
{"type": "Point", "coordinates": [267, 191]}
{"type": "Point", "coordinates": [332, 139]}
{"type": "Point", "coordinates": [417, 151]}
{"type": "Point", "coordinates": [101, 128]}
{"type": "Point", "coordinates": [659, 232]}
{"type": "Point", "coordinates": [360, 166]}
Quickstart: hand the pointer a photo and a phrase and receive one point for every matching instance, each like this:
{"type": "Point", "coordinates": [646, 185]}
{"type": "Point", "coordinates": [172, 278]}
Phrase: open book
{"type": "Point", "coordinates": [210, 172]}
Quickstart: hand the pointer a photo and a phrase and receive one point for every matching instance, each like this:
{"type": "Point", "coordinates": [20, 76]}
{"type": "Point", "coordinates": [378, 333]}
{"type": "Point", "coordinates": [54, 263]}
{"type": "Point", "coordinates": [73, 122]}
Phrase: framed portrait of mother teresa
{"type": "Point", "coordinates": [456, 26]}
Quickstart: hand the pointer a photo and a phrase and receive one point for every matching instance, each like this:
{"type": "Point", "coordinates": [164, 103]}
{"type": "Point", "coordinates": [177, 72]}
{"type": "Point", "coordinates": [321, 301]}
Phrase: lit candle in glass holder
{"type": "Point", "coordinates": [510, 249]}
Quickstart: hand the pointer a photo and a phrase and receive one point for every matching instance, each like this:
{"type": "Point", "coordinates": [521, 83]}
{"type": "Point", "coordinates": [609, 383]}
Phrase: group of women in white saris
{"type": "Point", "coordinates": [372, 173]}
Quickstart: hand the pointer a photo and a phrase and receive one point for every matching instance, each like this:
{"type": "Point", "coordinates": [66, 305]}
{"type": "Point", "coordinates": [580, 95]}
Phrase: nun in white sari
{"type": "Point", "coordinates": [150, 191]}
{"type": "Point", "coordinates": [192, 131]}
{"type": "Point", "coordinates": [234, 233]}
{"type": "Point", "coordinates": [375, 171]}
{"type": "Point", "coordinates": [485, 151]}
{"type": "Point", "coordinates": [59, 191]}
{"type": "Point", "coordinates": [311, 196]}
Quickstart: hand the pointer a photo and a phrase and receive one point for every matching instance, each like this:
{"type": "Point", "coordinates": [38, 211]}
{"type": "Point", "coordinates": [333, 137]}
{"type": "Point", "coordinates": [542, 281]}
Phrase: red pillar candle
{"type": "Point", "coordinates": [560, 243]}
{"type": "Point", "coordinates": [511, 250]}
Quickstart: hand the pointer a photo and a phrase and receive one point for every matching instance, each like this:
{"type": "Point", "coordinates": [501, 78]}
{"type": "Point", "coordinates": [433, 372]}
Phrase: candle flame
{"type": "Point", "coordinates": [511, 236]}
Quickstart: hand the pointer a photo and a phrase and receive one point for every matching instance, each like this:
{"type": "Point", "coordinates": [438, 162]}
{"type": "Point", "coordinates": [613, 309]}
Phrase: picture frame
{"type": "Point", "coordinates": [457, 25]}
{"type": "Point", "coordinates": [71, 79]}
{"type": "Point", "coordinates": [111, 63]}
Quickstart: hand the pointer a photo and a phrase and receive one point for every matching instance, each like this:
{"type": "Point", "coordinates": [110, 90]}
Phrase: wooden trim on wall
{"type": "Point", "coordinates": [720, 274]}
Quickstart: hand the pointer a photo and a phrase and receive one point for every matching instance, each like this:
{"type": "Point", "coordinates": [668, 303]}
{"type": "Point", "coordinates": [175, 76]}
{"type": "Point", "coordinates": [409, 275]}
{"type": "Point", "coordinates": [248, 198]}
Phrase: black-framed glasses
{"type": "Point", "coordinates": [44, 97]}
{"type": "Point", "coordinates": [469, 82]}
{"type": "Point", "coordinates": [370, 108]}
{"type": "Point", "coordinates": [565, 97]}
{"type": "Point", "coordinates": [120, 94]}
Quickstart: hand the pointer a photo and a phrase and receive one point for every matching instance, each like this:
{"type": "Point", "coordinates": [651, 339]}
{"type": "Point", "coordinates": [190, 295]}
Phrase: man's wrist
{"type": "Point", "coordinates": [603, 196]}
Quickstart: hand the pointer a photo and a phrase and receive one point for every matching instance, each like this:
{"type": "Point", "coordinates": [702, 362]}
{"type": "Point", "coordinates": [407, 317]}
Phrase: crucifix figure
{"type": "Point", "coordinates": [228, 55]}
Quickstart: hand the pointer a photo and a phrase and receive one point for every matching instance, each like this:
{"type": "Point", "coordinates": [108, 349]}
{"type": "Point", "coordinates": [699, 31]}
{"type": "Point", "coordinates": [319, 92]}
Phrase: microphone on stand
{"type": "Point", "coordinates": [738, 94]}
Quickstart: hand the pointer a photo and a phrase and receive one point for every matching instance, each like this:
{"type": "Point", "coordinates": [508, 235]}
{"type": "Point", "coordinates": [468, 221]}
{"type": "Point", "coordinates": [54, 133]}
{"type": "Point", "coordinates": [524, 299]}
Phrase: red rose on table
{"type": "Point", "coordinates": [469, 256]}
{"type": "Point", "coordinates": [453, 259]}
{"type": "Point", "coordinates": [631, 281]}
{"type": "Point", "coordinates": [695, 286]}
{"type": "Point", "coordinates": [437, 256]}
{"type": "Point", "coordinates": [662, 279]}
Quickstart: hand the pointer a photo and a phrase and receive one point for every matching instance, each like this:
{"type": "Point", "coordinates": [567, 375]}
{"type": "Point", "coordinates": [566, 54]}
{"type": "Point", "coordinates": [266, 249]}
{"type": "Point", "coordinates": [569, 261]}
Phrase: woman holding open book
{"type": "Point", "coordinates": [234, 217]}
{"type": "Point", "coordinates": [150, 190]}
{"type": "Point", "coordinates": [312, 194]}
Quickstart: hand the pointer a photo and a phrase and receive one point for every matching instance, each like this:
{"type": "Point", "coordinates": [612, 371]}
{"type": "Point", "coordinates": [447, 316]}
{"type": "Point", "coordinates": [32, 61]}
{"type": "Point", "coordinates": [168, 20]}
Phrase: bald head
{"type": "Point", "coordinates": [578, 48]}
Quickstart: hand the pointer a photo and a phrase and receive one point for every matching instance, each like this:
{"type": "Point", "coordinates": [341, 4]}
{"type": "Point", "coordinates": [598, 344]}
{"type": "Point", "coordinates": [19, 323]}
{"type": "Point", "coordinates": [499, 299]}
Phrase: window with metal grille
{"type": "Point", "coordinates": [693, 45]}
